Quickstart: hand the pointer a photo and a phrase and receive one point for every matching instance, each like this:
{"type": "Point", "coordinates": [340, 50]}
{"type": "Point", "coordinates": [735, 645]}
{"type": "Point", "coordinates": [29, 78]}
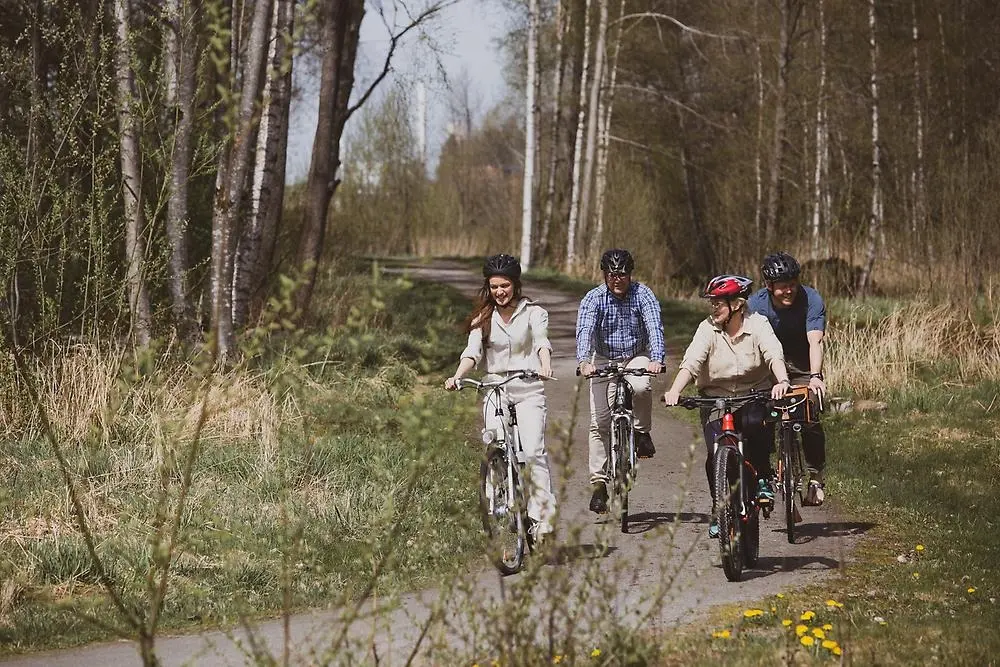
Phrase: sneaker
{"type": "Point", "coordinates": [599, 501]}
{"type": "Point", "coordinates": [713, 528]}
{"type": "Point", "coordinates": [814, 494]}
{"type": "Point", "coordinates": [538, 533]}
{"type": "Point", "coordinates": [644, 445]}
{"type": "Point", "coordinates": [765, 494]}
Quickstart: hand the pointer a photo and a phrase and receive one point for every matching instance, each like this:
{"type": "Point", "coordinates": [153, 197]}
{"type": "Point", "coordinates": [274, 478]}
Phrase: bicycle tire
{"type": "Point", "coordinates": [728, 500]}
{"type": "Point", "coordinates": [503, 516]}
{"type": "Point", "coordinates": [623, 471]}
{"type": "Point", "coordinates": [789, 480]}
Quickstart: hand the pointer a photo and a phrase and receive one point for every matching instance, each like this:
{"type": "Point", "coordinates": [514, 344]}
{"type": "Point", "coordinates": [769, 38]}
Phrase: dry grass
{"type": "Point", "coordinates": [869, 357]}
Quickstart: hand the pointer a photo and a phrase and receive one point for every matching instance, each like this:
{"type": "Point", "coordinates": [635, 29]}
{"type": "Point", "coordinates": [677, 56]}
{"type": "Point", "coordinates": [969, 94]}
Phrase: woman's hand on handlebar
{"type": "Point", "coordinates": [451, 384]}
{"type": "Point", "coordinates": [780, 389]}
{"type": "Point", "coordinates": [671, 397]}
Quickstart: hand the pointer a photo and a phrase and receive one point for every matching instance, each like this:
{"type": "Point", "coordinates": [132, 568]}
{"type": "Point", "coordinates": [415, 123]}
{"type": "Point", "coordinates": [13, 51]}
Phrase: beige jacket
{"type": "Point", "coordinates": [724, 367]}
{"type": "Point", "coordinates": [513, 345]}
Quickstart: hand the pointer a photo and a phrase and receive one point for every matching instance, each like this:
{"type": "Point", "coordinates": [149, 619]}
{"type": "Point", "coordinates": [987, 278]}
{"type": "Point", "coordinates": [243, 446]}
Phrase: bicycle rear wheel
{"type": "Point", "coordinates": [503, 513]}
{"type": "Point", "coordinates": [789, 480]}
{"type": "Point", "coordinates": [623, 469]}
{"type": "Point", "coordinates": [728, 501]}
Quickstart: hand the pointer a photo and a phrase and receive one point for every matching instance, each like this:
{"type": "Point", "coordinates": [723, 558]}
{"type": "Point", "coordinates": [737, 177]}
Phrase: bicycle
{"type": "Point", "coordinates": [623, 457]}
{"type": "Point", "coordinates": [737, 507]}
{"type": "Point", "coordinates": [791, 412]}
{"type": "Point", "coordinates": [502, 502]}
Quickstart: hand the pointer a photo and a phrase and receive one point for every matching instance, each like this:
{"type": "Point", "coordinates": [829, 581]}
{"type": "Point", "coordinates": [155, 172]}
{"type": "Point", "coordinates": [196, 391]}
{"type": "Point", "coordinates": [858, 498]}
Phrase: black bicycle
{"type": "Point", "coordinates": [502, 502]}
{"type": "Point", "coordinates": [791, 413]}
{"type": "Point", "coordinates": [622, 469]}
{"type": "Point", "coordinates": [737, 507]}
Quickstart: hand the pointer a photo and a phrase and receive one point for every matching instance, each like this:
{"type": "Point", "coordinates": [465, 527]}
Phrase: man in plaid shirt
{"type": "Point", "coordinates": [618, 321]}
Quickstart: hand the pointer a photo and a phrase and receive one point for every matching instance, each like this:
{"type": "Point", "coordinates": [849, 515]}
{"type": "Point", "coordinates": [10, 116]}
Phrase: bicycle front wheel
{"type": "Point", "coordinates": [728, 500]}
{"type": "Point", "coordinates": [503, 513]}
{"type": "Point", "coordinates": [623, 468]}
{"type": "Point", "coordinates": [789, 480]}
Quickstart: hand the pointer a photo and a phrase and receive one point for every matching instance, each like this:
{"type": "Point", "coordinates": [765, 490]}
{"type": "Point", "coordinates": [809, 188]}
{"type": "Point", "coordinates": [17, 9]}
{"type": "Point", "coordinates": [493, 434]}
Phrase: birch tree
{"type": "Point", "coordinates": [135, 252]}
{"type": "Point", "coordinates": [875, 214]}
{"type": "Point", "coordinates": [574, 205]}
{"type": "Point", "coordinates": [594, 114]}
{"type": "Point", "coordinates": [256, 244]}
{"type": "Point", "coordinates": [530, 113]}
{"type": "Point", "coordinates": [820, 204]}
{"type": "Point", "coordinates": [179, 80]}
{"type": "Point", "coordinates": [918, 214]}
{"type": "Point", "coordinates": [562, 21]}
{"type": "Point", "coordinates": [231, 181]}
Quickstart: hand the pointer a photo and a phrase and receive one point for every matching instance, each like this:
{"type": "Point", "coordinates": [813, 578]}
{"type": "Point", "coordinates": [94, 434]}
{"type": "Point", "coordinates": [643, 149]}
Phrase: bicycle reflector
{"type": "Point", "coordinates": [728, 424]}
{"type": "Point", "coordinates": [490, 436]}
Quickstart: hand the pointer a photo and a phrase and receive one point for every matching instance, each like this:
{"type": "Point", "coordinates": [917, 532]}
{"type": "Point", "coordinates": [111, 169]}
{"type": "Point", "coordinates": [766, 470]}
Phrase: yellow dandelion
{"type": "Point", "coordinates": [827, 627]}
{"type": "Point", "coordinates": [753, 613]}
{"type": "Point", "coordinates": [834, 603]}
{"type": "Point", "coordinates": [818, 633]}
{"type": "Point", "coordinates": [556, 659]}
{"type": "Point", "coordinates": [916, 575]}
{"type": "Point", "coordinates": [596, 653]}
{"type": "Point", "coordinates": [971, 589]}
{"type": "Point", "coordinates": [721, 634]}
{"type": "Point", "coordinates": [786, 622]}
{"type": "Point", "coordinates": [807, 616]}
{"type": "Point", "coordinates": [829, 644]}
{"type": "Point", "coordinates": [837, 650]}
{"type": "Point", "coordinates": [780, 596]}
{"type": "Point", "coordinates": [801, 629]}
{"type": "Point", "coordinates": [919, 547]}
{"type": "Point", "coordinates": [774, 609]}
{"type": "Point", "coordinates": [807, 641]}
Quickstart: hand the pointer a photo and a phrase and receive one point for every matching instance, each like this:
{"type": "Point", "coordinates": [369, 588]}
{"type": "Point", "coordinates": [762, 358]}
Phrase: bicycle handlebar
{"type": "Point", "coordinates": [479, 385]}
{"type": "Point", "coordinates": [618, 370]}
{"type": "Point", "coordinates": [693, 402]}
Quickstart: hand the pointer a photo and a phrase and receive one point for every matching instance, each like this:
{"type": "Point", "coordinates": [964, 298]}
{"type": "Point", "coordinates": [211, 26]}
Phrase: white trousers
{"type": "Point", "coordinates": [602, 394]}
{"type": "Point", "coordinates": [529, 401]}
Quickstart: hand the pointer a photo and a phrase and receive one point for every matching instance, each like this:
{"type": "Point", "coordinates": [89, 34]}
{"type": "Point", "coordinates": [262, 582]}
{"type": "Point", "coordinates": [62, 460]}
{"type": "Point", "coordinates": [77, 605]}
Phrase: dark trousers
{"type": "Point", "coordinates": [758, 440]}
{"type": "Point", "coordinates": [813, 438]}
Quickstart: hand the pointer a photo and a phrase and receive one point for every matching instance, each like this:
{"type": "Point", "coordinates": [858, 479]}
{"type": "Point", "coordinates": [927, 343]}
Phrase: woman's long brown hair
{"type": "Point", "coordinates": [482, 314]}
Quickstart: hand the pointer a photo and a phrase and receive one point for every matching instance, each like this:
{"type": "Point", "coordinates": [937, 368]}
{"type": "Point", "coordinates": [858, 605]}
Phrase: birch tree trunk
{"type": "Point", "coordinates": [554, 156]}
{"type": "Point", "coordinates": [135, 253]}
{"type": "Point", "coordinates": [875, 215]}
{"type": "Point", "coordinates": [574, 205]}
{"type": "Point", "coordinates": [822, 152]}
{"type": "Point", "coordinates": [778, 147]}
{"type": "Point", "coordinates": [917, 176]}
{"type": "Point", "coordinates": [267, 190]}
{"type": "Point", "coordinates": [604, 138]}
{"type": "Point", "coordinates": [594, 107]}
{"type": "Point", "coordinates": [530, 112]}
{"type": "Point", "coordinates": [179, 75]}
{"type": "Point", "coordinates": [759, 142]}
{"type": "Point", "coordinates": [231, 181]}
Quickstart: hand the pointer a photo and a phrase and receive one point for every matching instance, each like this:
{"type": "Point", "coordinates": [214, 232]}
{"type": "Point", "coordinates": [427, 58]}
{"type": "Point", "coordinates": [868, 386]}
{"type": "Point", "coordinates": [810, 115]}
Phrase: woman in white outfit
{"type": "Point", "coordinates": [511, 334]}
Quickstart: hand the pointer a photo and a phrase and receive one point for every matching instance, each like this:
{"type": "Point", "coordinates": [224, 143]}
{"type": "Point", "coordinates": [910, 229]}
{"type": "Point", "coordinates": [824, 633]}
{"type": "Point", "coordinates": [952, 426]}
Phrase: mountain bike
{"type": "Point", "coordinates": [791, 413]}
{"type": "Point", "coordinates": [623, 457]}
{"type": "Point", "coordinates": [502, 501]}
{"type": "Point", "coordinates": [737, 507]}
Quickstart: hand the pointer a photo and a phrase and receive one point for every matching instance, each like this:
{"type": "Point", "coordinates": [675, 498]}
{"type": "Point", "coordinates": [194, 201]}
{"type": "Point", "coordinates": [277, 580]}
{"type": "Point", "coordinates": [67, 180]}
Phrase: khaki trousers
{"type": "Point", "coordinates": [602, 393]}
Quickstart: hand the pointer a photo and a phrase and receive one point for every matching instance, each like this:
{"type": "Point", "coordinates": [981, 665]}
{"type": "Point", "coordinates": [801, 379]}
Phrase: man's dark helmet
{"type": "Point", "coordinates": [502, 265]}
{"type": "Point", "coordinates": [779, 267]}
{"type": "Point", "coordinates": [727, 287]}
{"type": "Point", "coordinates": [617, 260]}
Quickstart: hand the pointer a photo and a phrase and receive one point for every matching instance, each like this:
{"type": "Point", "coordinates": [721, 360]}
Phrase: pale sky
{"type": "Point", "coordinates": [465, 34]}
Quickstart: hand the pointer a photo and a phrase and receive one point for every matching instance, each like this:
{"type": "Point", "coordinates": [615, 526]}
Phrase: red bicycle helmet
{"type": "Point", "coordinates": [728, 287]}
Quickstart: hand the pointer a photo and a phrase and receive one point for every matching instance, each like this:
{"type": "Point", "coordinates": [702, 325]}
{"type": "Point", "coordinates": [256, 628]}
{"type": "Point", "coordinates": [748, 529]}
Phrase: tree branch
{"type": "Point", "coordinates": [666, 17]}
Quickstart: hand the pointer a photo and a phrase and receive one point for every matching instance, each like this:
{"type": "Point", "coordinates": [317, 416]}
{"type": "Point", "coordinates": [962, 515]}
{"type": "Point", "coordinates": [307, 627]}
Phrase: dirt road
{"type": "Point", "coordinates": [665, 569]}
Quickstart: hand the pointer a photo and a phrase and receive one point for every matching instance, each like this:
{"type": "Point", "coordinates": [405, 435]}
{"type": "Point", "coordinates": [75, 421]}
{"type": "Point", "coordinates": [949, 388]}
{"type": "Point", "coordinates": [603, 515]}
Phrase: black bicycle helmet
{"type": "Point", "coordinates": [727, 287]}
{"type": "Point", "coordinates": [779, 267]}
{"type": "Point", "coordinates": [617, 260]}
{"type": "Point", "coordinates": [502, 265]}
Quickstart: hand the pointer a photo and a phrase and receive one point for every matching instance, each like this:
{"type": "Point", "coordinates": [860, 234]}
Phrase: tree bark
{"type": "Point", "coordinates": [256, 244]}
{"type": "Point", "coordinates": [231, 182]}
{"type": "Point", "coordinates": [562, 20]}
{"type": "Point", "coordinates": [340, 24]}
{"type": "Point", "coordinates": [574, 205]}
{"type": "Point", "coordinates": [822, 141]}
{"type": "Point", "coordinates": [530, 113]}
{"type": "Point", "coordinates": [875, 215]}
{"type": "Point", "coordinates": [789, 10]}
{"type": "Point", "coordinates": [179, 76]}
{"type": "Point", "coordinates": [135, 253]}
{"type": "Point", "coordinates": [594, 115]}
{"type": "Point", "coordinates": [919, 214]}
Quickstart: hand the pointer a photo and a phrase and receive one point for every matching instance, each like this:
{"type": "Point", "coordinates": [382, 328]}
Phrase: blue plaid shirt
{"type": "Point", "coordinates": [619, 328]}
